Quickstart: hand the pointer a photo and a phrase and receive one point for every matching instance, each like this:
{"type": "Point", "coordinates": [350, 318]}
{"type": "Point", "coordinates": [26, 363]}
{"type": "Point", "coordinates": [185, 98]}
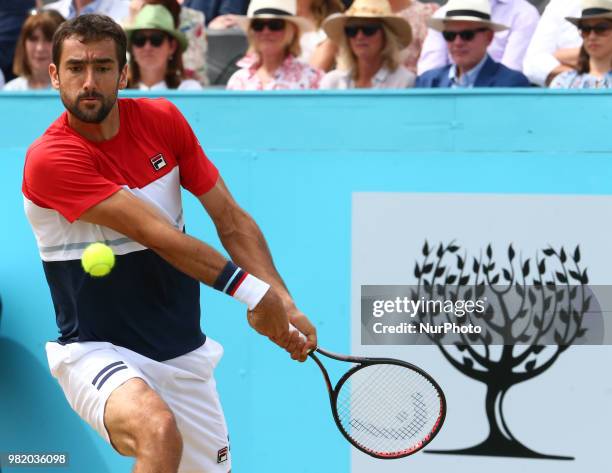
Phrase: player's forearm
{"type": "Point", "coordinates": [247, 247]}
{"type": "Point", "coordinates": [191, 256]}
{"type": "Point", "coordinates": [204, 263]}
{"type": "Point", "coordinates": [139, 221]}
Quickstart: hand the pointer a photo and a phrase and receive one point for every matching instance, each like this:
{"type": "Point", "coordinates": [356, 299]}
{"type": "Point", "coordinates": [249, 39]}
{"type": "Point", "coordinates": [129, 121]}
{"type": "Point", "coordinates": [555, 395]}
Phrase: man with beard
{"type": "Point", "coordinates": [131, 358]}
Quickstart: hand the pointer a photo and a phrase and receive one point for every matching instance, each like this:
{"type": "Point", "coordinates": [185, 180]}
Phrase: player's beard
{"type": "Point", "coordinates": [96, 115]}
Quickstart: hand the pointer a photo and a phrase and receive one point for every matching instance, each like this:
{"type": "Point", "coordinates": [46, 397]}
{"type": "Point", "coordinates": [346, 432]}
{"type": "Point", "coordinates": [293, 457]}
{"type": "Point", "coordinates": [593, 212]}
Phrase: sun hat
{"type": "Point", "coordinates": [156, 17]}
{"type": "Point", "coordinates": [593, 9]}
{"type": "Point", "coordinates": [274, 9]}
{"type": "Point", "coordinates": [368, 10]}
{"type": "Point", "coordinates": [477, 11]}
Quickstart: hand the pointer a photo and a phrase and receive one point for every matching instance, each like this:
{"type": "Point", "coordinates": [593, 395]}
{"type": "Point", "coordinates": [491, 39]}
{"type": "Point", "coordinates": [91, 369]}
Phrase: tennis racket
{"type": "Point", "coordinates": [384, 407]}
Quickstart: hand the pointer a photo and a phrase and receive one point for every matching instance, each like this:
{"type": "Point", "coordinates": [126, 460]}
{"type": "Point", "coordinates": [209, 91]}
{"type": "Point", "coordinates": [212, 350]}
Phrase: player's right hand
{"type": "Point", "coordinates": [269, 318]}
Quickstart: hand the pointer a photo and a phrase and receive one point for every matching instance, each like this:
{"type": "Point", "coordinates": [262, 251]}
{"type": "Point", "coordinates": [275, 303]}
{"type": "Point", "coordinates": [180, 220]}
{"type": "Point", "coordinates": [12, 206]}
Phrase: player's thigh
{"type": "Point", "coordinates": [136, 417]}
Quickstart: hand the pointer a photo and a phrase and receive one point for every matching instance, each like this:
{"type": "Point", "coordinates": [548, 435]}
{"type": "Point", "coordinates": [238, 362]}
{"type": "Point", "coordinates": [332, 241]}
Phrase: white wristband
{"type": "Point", "coordinates": [251, 291]}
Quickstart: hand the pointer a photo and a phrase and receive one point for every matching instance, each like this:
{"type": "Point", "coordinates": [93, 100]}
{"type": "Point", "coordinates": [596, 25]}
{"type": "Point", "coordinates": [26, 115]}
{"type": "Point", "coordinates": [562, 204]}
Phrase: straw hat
{"type": "Point", "coordinates": [477, 11]}
{"type": "Point", "coordinates": [156, 17]}
{"type": "Point", "coordinates": [368, 10]}
{"type": "Point", "coordinates": [593, 9]}
{"type": "Point", "coordinates": [277, 9]}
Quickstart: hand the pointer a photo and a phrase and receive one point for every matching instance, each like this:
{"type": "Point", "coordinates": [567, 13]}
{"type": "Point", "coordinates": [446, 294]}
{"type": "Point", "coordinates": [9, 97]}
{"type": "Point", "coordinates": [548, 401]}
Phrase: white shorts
{"type": "Point", "coordinates": [89, 372]}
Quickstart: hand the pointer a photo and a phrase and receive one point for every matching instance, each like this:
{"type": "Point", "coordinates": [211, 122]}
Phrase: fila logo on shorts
{"type": "Point", "coordinates": [158, 162]}
{"type": "Point", "coordinates": [222, 455]}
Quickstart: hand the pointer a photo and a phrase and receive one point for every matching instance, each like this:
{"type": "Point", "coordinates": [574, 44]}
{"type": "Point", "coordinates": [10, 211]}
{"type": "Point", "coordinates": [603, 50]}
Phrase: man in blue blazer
{"type": "Point", "coordinates": [468, 31]}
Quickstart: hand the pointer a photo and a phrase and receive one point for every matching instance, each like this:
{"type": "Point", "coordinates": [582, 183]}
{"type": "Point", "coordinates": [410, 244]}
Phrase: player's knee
{"type": "Point", "coordinates": [160, 434]}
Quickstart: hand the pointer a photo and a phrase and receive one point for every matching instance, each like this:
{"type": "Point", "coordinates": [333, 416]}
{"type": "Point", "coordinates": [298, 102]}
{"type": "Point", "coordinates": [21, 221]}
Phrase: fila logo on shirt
{"type": "Point", "coordinates": [158, 162]}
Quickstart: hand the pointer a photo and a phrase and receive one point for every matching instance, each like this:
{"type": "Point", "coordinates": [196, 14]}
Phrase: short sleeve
{"type": "Point", "coordinates": [198, 173]}
{"type": "Point", "coordinates": [61, 175]}
{"type": "Point", "coordinates": [562, 81]}
{"type": "Point", "coordinates": [237, 81]}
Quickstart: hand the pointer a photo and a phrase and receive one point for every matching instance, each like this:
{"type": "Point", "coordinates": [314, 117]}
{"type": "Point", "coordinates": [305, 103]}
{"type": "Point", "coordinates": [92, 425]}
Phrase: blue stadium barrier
{"type": "Point", "coordinates": [293, 161]}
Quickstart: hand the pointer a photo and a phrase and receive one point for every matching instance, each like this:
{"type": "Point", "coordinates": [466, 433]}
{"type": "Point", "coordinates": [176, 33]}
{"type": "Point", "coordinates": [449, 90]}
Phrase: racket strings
{"type": "Point", "coordinates": [361, 394]}
{"type": "Point", "coordinates": [374, 429]}
{"type": "Point", "coordinates": [388, 409]}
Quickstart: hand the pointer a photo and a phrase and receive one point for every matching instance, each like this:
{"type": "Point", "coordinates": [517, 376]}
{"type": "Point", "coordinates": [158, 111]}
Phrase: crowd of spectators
{"type": "Point", "coordinates": [332, 44]}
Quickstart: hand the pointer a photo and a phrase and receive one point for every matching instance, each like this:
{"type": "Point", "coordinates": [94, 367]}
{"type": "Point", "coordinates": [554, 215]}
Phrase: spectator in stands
{"type": "Point", "coordinates": [118, 10]}
{"type": "Point", "coordinates": [317, 49]}
{"type": "Point", "coordinates": [191, 23]}
{"type": "Point", "coordinates": [370, 37]}
{"type": "Point", "coordinates": [416, 13]}
{"type": "Point", "coordinates": [33, 52]}
{"type": "Point", "coordinates": [468, 30]}
{"type": "Point", "coordinates": [274, 31]}
{"type": "Point", "coordinates": [595, 56]}
{"type": "Point", "coordinates": [555, 44]}
{"type": "Point", "coordinates": [12, 15]}
{"type": "Point", "coordinates": [156, 47]}
{"type": "Point", "coordinates": [508, 46]}
{"type": "Point", "coordinates": [220, 14]}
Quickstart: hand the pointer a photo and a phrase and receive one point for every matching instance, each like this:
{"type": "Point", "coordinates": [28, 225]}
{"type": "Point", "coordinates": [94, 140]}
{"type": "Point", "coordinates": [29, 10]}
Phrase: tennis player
{"type": "Point", "coordinates": [131, 357]}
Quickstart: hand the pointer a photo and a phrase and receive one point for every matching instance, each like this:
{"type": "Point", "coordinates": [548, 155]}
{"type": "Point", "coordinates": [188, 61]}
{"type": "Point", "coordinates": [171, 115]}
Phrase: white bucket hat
{"type": "Point", "coordinates": [477, 11]}
{"type": "Point", "coordinates": [274, 9]}
{"type": "Point", "coordinates": [593, 9]}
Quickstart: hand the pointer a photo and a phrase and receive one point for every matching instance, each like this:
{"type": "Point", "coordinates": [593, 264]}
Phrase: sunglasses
{"type": "Point", "coordinates": [156, 39]}
{"type": "Point", "coordinates": [368, 30]}
{"type": "Point", "coordinates": [465, 35]}
{"type": "Point", "coordinates": [600, 29]}
{"type": "Point", "coordinates": [272, 25]}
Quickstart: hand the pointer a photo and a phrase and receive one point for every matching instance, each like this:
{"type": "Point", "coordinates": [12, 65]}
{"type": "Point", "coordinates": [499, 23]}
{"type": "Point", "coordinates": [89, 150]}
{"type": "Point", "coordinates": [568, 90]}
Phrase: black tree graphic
{"type": "Point", "coordinates": [530, 319]}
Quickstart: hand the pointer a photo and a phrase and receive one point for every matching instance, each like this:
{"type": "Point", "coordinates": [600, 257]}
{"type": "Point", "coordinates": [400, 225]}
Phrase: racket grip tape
{"type": "Point", "coordinates": [293, 328]}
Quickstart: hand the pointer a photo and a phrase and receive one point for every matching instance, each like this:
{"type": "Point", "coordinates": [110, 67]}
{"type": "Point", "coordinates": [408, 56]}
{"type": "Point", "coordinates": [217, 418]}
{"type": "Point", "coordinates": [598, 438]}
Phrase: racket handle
{"type": "Point", "coordinates": [293, 328]}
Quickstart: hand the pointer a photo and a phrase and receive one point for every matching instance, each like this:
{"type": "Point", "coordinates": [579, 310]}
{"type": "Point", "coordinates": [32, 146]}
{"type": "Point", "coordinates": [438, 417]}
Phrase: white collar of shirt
{"type": "Point", "coordinates": [381, 77]}
{"type": "Point", "coordinates": [468, 78]}
{"type": "Point", "coordinates": [161, 85]}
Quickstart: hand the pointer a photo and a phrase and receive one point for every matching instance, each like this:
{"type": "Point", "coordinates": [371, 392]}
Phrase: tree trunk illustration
{"type": "Point", "coordinates": [500, 441]}
{"type": "Point", "coordinates": [526, 326]}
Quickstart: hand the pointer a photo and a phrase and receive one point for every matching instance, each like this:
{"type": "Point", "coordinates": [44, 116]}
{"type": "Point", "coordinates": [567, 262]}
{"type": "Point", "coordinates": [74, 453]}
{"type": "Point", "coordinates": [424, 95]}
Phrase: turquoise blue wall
{"type": "Point", "coordinates": [293, 161]}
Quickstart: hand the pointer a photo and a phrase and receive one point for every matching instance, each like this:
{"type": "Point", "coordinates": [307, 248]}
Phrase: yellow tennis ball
{"type": "Point", "coordinates": [98, 259]}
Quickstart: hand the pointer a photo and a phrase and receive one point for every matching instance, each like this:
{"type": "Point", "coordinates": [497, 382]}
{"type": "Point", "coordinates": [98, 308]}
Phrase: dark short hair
{"type": "Point", "coordinates": [88, 28]}
{"type": "Point", "coordinates": [48, 21]}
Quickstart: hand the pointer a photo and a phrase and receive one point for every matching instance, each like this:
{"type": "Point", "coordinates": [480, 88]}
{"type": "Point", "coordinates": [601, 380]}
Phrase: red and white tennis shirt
{"type": "Point", "coordinates": [145, 304]}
